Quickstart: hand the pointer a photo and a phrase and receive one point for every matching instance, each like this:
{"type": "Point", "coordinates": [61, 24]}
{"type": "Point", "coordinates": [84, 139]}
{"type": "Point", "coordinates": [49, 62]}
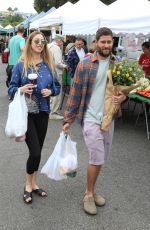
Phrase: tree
{"type": "Point", "coordinates": [12, 20]}
{"type": "Point", "coordinates": [45, 5]}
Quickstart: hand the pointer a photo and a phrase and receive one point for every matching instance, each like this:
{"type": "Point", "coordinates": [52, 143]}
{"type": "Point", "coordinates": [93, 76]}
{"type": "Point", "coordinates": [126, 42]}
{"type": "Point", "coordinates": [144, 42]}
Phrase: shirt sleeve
{"type": "Point", "coordinates": [75, 95]}
{"type": "Point", "coordinates": [15, 80]}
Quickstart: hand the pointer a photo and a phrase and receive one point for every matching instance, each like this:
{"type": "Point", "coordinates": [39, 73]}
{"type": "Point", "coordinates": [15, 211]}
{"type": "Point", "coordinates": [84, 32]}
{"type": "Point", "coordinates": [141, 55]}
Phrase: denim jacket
{"type": "Point", "coordinates": [45, 80]}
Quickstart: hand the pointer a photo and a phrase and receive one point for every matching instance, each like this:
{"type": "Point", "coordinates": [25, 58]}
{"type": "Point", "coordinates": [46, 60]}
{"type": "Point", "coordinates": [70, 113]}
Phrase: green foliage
{"type": "Point", "coordinates": [45, 5]}
{"type": "Point", "coordinates": [13, 20]}
{"type": "Point", "coordinates": [107, 2]}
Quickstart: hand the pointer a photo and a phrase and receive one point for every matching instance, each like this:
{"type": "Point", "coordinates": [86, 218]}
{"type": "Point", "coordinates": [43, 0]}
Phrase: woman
{"type": "Point", "coordinates": [144, 59]}
{"type": "Point", "coordinates": [35, 61]}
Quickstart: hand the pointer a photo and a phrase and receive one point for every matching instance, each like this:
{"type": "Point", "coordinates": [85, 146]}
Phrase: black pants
{"type": "Point", "coordinates": [35, 136]}
{"type": "Point", "coordinates": [9, 74]}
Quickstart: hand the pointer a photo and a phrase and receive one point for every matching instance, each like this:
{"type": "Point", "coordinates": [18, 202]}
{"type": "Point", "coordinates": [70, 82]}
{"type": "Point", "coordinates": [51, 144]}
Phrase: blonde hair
{"type": "Point", "coordinates": [27, 57]}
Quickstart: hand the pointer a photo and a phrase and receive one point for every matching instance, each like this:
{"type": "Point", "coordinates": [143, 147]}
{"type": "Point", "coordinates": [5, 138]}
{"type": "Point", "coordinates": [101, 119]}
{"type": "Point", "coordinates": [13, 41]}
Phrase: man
{"type": "Point", "coordinates": [16, 45]}
{"type": "Point", "coordinates": [75, 55]}
{"type": "Point", "coordinates": [86, 102]}
{"type": "Point", "coordinates": [55, 48]}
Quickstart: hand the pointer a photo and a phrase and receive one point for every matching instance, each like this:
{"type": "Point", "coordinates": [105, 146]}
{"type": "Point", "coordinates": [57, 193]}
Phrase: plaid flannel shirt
{"type": "Point", "coordinates": [81, 90]}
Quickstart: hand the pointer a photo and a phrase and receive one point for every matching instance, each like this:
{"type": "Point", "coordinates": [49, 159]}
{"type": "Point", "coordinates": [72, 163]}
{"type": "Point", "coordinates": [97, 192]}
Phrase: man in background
{"type": "Point", "coordinates": [15, 46]}
{"type": "Point", "coordinates": [75, 55]}
{"type": "Point", "coordinates": [56, 50]}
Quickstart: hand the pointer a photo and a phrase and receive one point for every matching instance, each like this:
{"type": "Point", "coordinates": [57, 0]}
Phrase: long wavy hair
{"type": "Point", "coordinates": [27, 57]}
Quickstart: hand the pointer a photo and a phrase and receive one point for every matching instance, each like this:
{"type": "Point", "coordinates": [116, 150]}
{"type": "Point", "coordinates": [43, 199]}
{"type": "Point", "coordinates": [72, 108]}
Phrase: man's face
{"type": "Point", "coordinates": [104, 45]}
{"type": "Point", "coordinates": [79, 44]}
{"type": "Point", "coordinates": [60, 43]}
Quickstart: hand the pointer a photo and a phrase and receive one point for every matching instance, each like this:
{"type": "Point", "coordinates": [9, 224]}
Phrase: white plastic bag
{"type": "Point", "coordinates": [16, 125]}
{"type": "Point", "coordinates": [63, 160]}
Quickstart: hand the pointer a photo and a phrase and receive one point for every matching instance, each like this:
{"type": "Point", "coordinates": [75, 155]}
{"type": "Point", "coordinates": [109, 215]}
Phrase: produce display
{"type": "Point", "coordinates": [143, 88]}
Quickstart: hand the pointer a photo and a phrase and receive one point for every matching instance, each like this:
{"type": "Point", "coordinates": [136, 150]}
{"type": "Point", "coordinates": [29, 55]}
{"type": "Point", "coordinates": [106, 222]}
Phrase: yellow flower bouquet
{"type": "Point", "coordinates": [122, 77]}
{"type": "Point", "coordinates": [126, 73]}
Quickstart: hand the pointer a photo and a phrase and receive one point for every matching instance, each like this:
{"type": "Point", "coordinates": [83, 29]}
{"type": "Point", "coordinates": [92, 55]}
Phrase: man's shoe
{"type": "Point", "coordinates": [55, 117]}
{"type": "Point", "coordinates": [99, 200]}
{"type": "Point", "coordinates": [89, 205]}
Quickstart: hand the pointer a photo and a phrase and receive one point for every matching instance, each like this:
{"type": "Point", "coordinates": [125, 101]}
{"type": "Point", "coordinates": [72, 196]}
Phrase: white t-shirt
{"type": "Point", "coordinates": [95, 107]}
{"type": "Point", "coordinates": [81, 53]}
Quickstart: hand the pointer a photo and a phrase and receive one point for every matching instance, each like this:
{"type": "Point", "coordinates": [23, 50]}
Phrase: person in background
{"type": "Point", "coordinates": [87, 104]}
{"type": "Point", "coordinates": [75, 55]}
{"type": "Point", "coordinates": [144, 59]}
{"type": "Point", "coordinates": [85, 46]}
{"type": "Point", "coordinates": [68, 48]}
{"type": "Point", "coordinates": [56, 49]}
{"type": "Point", "coordinates": [91, 50]}
{"type": "Point", "coordinates": [35, 59]}
{"type": "Point", "coordinates": [15, 46]}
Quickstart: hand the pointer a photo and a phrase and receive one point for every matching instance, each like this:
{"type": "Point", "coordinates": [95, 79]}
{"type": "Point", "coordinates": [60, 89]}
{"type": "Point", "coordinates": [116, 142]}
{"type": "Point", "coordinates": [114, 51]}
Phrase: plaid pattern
{"type": "Point", "coordinates": [81, 90]}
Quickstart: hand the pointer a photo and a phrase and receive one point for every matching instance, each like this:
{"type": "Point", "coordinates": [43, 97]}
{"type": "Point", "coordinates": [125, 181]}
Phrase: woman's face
{"type": "Point", "coordinates": [38, 43]}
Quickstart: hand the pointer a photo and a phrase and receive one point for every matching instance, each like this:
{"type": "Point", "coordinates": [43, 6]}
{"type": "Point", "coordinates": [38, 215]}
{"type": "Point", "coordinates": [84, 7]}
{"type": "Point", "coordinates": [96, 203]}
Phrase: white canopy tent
{"type": "Point", "coordinates": [35, 23]}
{"type": "Point", "coordinates": [55, 18]}
{"type": "Point", "coordinates": [128, 16]}
{"type": "Point", "coordinates": [121, 16]}
{"type": "Point", "coordinates": [84, 18]}
{"type": "Point", "coordinates": [8, 27]}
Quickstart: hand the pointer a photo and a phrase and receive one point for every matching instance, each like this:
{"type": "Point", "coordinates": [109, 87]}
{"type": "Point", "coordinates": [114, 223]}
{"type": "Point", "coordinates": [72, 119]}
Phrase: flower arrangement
{"type": "Point", "coordinates": [122, 78]}
{"type": "Point", "coordinates": [126, 73]}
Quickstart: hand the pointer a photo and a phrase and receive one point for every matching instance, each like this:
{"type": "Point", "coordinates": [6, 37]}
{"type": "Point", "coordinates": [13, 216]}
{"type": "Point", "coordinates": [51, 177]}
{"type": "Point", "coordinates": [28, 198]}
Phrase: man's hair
{"type": "Point", "coordinates": [20, 29]}
{"type": "Point", "coordinates": [79, 39]}
{"type": "Point", "coordinates": [146, 45]}
{"type": "Point", "coordinates": [104, 31]}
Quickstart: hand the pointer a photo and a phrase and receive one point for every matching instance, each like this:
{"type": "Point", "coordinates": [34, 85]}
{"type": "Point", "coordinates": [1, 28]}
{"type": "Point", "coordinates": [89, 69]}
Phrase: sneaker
{"type": "Point", "coordinates": [55, 117]}
{"type": "Point", "coordinates": [99, 200]}
{"type": "Point", "coordinates": [89, 205]}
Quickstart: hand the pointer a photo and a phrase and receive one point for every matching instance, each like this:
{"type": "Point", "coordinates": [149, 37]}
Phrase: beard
{"type": "Point", "coordinates": [104, 52]}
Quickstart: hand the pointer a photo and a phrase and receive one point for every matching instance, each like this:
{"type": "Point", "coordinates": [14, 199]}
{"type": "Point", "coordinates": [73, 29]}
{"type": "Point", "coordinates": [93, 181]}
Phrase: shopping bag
{"type": "Point", "coordinates": [16, 125]}
{"type": "Point", "coordinates": [5, 55]}
{"type": "Point", "coordinates": [63, 160]}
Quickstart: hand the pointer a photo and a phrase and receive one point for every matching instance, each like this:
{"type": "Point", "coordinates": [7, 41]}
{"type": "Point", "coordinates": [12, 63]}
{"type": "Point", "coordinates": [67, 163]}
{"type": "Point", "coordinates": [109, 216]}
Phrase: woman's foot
{"type": "Point", "coordinates": [40, 192]}
{"type": "Point", "coordinates": [27, 197]}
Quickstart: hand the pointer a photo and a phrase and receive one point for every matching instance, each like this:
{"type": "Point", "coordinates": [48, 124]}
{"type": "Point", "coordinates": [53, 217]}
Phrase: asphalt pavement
{"type": "Point", "coordinates": [124, 181]}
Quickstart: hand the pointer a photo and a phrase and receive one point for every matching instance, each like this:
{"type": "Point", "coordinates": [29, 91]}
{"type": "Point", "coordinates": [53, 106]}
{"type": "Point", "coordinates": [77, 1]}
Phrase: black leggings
{"type": "Point", "coordinates": [35, 136]}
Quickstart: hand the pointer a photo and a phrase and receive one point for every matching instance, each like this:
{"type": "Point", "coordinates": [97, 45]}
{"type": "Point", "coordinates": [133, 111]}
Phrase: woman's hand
{"type": "Point", "coordinates": [28, 88]}
{"type": "Point", "coordinates": [46, 92]}
{"type": "Point", "coordinates": [119, 98]}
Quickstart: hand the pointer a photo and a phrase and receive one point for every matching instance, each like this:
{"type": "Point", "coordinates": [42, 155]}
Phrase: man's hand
{"type": "Point", "coordinates": [66, 128]}
{"type": "Point", "coordinates": [119, 98]}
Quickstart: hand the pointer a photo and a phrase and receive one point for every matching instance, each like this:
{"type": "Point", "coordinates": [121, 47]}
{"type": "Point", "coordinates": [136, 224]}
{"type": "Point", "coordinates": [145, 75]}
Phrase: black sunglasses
{"type": "Point", "coordinates": [39, 41]}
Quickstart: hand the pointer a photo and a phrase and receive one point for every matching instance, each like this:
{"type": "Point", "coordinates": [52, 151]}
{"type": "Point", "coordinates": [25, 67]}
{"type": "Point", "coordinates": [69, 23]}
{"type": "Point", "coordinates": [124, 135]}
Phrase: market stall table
{"type": "Point", "coordinates": [144, 100]}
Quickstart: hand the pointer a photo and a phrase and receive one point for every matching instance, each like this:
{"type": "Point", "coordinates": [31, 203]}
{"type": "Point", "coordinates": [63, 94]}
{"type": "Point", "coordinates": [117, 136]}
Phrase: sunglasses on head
{"type": "Point", "coordinates": [39, 41]}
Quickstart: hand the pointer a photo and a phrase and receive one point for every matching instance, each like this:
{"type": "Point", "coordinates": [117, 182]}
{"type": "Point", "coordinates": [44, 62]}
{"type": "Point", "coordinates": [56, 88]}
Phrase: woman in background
{"type": "Point", "coordinates": [35, 62]}
{"type": "Point", "coordinates": [144, 59]}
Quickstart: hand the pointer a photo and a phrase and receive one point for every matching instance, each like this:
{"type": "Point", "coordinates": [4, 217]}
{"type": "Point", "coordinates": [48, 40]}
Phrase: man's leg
{"type": "Point", "coordinates": [94, 140]}
{"type": "Point", "coordinates": [92, 174]}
